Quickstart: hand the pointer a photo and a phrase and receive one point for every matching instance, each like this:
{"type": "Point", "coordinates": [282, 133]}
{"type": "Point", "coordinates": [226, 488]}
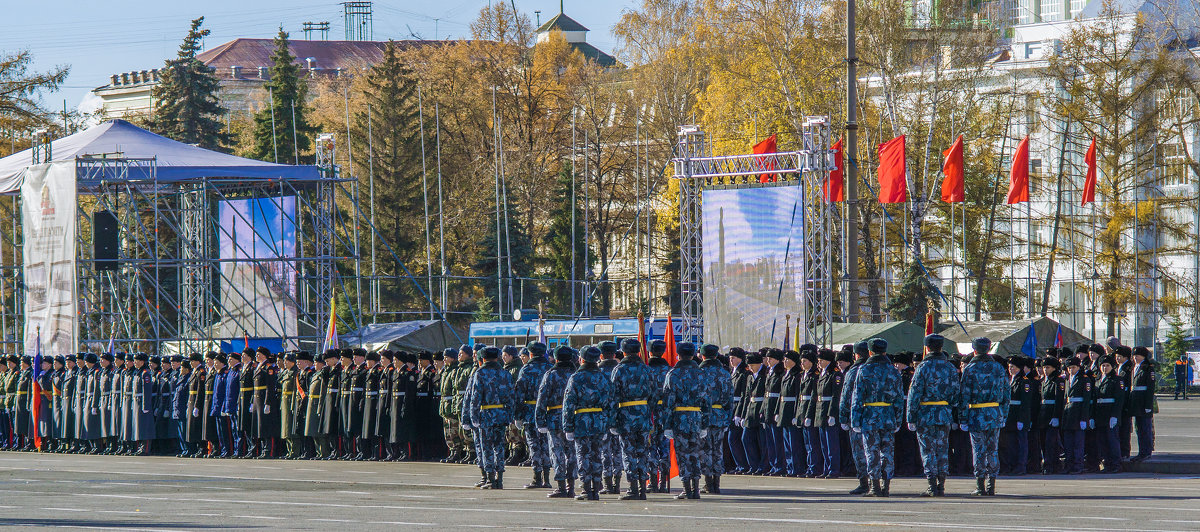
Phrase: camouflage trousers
{"type": "Point", "coordinates": [492, 447]}
{"type": "Point", "coordinates": [635, 455]}
{"type": "Point", "coordinates": [985, 452]}
{"type": "Point", "coordinates": [935, 449]}
{"type": "Point", "coordinates": [469, 438]}
{"type": "Point", "coordinates": [659, 451]}
{"type": "Point", "coordinates": [563, 452]}
{"type": "Point", "coordinates": [610, 455]}
{"type": "Point", "coordinates": [539, 446]}
{"type": "Point", "coordinates": [452, 432]}
{"type": "Point", "coordinates": [588, 450]}
{"type": "Point", "coordinates": [858, 452]}
{"type": "Point", "coordinates": [687, 454]}
{"type": "Point", "coordinates": [880, 446]}
{"type": "Point", "coordinates": [712, 451]}
{"type": "Point", "coordinates": [514, 437]}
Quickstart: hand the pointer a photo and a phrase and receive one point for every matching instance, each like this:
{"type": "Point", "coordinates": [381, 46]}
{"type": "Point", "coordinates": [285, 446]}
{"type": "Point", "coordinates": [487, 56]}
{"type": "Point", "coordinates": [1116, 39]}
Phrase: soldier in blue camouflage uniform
{"type": "Point", "coordinates": [528, 381]}
{"type": "Point", "coordinates": [857, 452]}
{"type": "Point", "coordinates": [659, 450]}
{"type": "Point", "coordinates": [493, 400]}
{"type": "Point", "coordinates": [587, 416]}
{"type": "Point", "coordinates": [876, 410]}
{"type": "Point", "coordinates": [688, 419]}
{"type": "Point", "coordinates": [610, 446]}
{"type": "Point", "coordinates": [718, 389]}
{"type": "Point", "coordinates": [634, 390]}
{"type": "Point", "coordinates": [983, 410]}
{"type": "Point", "coordinates": [474, 439]}
{"type": "Point", "coordinates": [547, 417]}
{"type": "Point", "coordinates": [932, 400]}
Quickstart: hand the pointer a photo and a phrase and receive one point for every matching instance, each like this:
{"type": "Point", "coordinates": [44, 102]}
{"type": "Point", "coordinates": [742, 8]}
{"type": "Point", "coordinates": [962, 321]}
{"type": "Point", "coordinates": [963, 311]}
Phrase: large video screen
{"type": "Point", "coordinates": [753, 264]}
{"type": "Point", "coordinates": [258, 271]}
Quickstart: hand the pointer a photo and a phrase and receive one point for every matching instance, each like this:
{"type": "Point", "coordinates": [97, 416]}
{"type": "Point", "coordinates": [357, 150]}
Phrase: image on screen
{"type": "Point", "coordinates": [258, 297]}
{"type": "Point", "coordinates": [753, 264]}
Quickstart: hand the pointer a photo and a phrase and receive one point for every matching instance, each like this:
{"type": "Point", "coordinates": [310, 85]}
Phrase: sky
{"type": "Point", "coordinates": [98, 39]}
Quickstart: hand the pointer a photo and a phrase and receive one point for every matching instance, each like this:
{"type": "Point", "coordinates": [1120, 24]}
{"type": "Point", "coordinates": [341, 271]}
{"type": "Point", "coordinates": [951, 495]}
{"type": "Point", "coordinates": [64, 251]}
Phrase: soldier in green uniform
{"type": "Point", "coordinates": [450, 427]}
{"type": "Point", "coordinates": [287, 406]}
{"type": "Point", "coordinates": [466, 367]}
{"type": "Point", "coordinates": [316, 411]}
{"type": "Point", "coordinates": [331, 426]}
{"type": "Point", "coordinates": [303, 379]}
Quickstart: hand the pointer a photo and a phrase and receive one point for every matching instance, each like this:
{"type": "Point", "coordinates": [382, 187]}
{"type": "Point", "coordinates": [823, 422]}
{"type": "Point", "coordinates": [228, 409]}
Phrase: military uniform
{"type": "Point", "coordinates": [288, 405]}
{"type": "Point", "coordinates": [740, 377]}
{"type": "Point", "coordinates": [446, 409]}
{"type": "Point", "coordinates": [688, 419]}
{"type": "Point", "coordinates": [1144, 382]}
{"type": "Point", "coordinates": [427, 424]}
{"type": "Point", "coordinates": [932, 400]}
{"type": "Point", "coordinates": [829, 390]}
{"type": "Point", "coordinates": [1016, 426]}
{"type": "Point", "coordinates": [548, 418]}
{"type": "Point", "coordinates": [403, 410]}
{"type": "Point", "coordinates": [265, 407]}
{"type": "Point", "coordinates": [1049, 421]}
{"type": "Point", "coordinates": [493, 401]}
{"type": "Point", "coordinates": [770, 409]}
{"type": "Point", "coordinates": [634, 390]}
{"type": "Point", "coordinates": [375, 383]}
{"type": "Point", "coordinates": [876, 410]}
{"type": "Point", "coordinates": [857, 451]}
{"type": "Point", "coordinates": [587, 416]}
{"type": "Point", "coordinates": [610, 444]}
{"type": "Point", "coordinates": [806, 417]}
{"type": "Point", "coordinates": [528, 381]}
{"type": "Point", "coordinates": [718, 391]}
{"type": "Point", "coordinates": [984, 408]}
{"type": "Point", "coordinates": [513, 434]}
{"type": "Point", "coordinates": [791, 444]}
{"type": "Point", "coordinates": [1077, 412]}
{"type": "Point", "coordinates": [1109, 400]}
{"type": "Point", "coordinates": [658, 452]}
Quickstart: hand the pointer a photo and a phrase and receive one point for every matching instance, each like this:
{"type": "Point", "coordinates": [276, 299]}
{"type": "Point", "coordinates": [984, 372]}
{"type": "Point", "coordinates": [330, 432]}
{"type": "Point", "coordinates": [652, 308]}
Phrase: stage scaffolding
{"type": "Point", "coordinates": [696, 167]}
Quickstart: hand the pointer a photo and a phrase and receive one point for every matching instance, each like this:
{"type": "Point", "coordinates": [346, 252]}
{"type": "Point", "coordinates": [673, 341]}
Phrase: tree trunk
{"type": "Point", "coordinates": [1062, 159]}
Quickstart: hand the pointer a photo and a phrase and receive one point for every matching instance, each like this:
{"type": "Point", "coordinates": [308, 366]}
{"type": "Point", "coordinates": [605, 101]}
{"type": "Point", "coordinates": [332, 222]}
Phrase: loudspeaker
{"type": "Point", "coordinates": [105, 232]}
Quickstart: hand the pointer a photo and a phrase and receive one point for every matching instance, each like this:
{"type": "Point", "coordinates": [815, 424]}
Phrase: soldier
{"type": "Point", "coordinates": [1125, 371]}
{"type": "Point", "coordinates": [1077, 411]}
{"type": "Point", "coordinates": [932, 399]}
{"type": "Point", "coordinates": [161, 392]}
{"type": "Point", "coordinates": [466, 367]}
{"type": "Point", "coordinates": [907, 448]}
{"type": "Point", "coordinates": [857, 452]}
{"type": "Point", "coordinates": [659, 453]}
{"type": "Point", "coordinates": [197, 412]}
{"type": "Point", "coordinates": [222, 409]}
{"type": "Point", "coordinates": [330, 411]}
{"type": "Point", "coordinates": [210, 411]}
{"type": "Point", "coordinates": [528, 381]}
{"type": "Point", "coordinates": [876, 409]}
{"type": "Point", "coordinates": [301, 401]}
{"type": "Point", "coordinates": [446, 410]}
{"type": "Point", "coordinates": [142, 404]}
{"type": "Point", "coordinates": [770, 409]}
{"type": "Point", "coordinates": [319, 409]}
{"type": "Point", "coordinates": [785, 419]}
{"type": "Point", "coordinates": [740, 377]}
{"type": "Point", "coordinates": [687, 422]}
{"type": "Point", "coordinates": [983, 410]}
{"type": "Point", "coordinates": [427, 424]}
{"type": "Point", "coordinates": [374, 380]}
{"type": "Point", "coordinates": [1110, 398]}
{"type": "Point", "coordinates": [6, 375]}
{"type": "Point", "coordinates": [351, 393]}
{"type": "Point", "coordinates": [244, 401]}
{"type": "Point", "coordinates": [493, 400]}
{"type": "Point", "coordinates": [718, 391]}
{"type": "Point", "coordinates": [229, 399]}
{"type": "Point", "coordinates": [178, 408]}
{"type": "Point", "coordinates": [469, 428]}
{"type": "Point", "coordinates": [829, 388]}
{"type": "Point", "coordinates": [806, 413]}
{"type": "Point", "coordinates": [103, 401]}
{"type": "Point", "coordinates": [587, 416]}
{"type": "Point", "coordinates": [287, 379]}
{"type": "Point", "coordinates": [87, 421]}
{"type": "Point", "coordinates": [610, 445]}
{"type": "Point", "coordinates": [634, 390]}
{"type": "Point", "coordinates": [1144, 383]}
{"type": "Point", "coordinates": [1049, 418]}
{"type": "Point", "coordinates": [548, 419]}
{"type": "Point", "coordinates": [1020, 414]}
{"type": "Point", "coordinates": [70, 405]}
{"type": "Point", "coordinates": [52, 436]}
{"type": "Point", "coordinates": [404, 411]}
{"type": "Point", "coordinates": [517, 453]}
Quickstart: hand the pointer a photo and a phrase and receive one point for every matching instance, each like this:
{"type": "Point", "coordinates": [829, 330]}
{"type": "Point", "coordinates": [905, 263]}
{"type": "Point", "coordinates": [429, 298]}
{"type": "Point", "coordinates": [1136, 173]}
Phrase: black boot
{"type": "Point", "coordinates": [608, 486]}
{"type": "Point", "coordinates": [695, 491]}
{"type": "Point", "coordinates": [450, 458]}
{"type": "Point", "coordinates": [489, 480]}
{"type": "Point", "coordinates": [585, 492]}
{"type": "Point", "coordinates": [570, 487]}
{"type": "Point", "coordinates": [561, 492]}
{"type": "Point", "coordinates": [875, 489]}
{"type": "Point", "coordinates": [980, 490]}
{"type": "Point", "coordinates": [497, 480]}
{"type": "Point", "coordinates": [616, 485]}
{"type": "Point", "coordinates": [545, 477]}
{"type": "Point", "coordinates": [594, 495]}
{"type": "Point", "coordinates": [632, 494]}
{"type": "Point", "coordinates": [641, 490]}
{"type": "Point", "coordinates": [686, 493]}
{"type": "Point", "coordinates": [887, 488]}
{"type": "Point", "coordinates": [716, 487]}
{"type": "Point", "coordinates": [654, 482]}
{"type": "Point", "coordinates": [941, 485]}
{"type": "Point", "coordinates": [862, 487]}
{"type": "Point", "coordinates": [537, 480]}
{"type": "Point", "coordinates": [707, 484]}
{"type": "Point", "coordinates": [484, 480]}
{"type": "Point", "coordinates": [991, 486]}
{"type": "Point", "coordinates": [933, 488]}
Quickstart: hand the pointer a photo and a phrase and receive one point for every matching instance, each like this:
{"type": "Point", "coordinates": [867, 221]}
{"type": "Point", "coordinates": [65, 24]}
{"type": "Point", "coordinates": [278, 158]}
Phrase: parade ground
{"type": "Point", "coordinates": [160, 493]}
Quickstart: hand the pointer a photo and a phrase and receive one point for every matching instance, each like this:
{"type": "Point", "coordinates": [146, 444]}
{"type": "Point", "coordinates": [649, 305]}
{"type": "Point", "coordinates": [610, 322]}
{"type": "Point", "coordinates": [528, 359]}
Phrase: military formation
{"type": "Point", "coordinates": [587, 420]}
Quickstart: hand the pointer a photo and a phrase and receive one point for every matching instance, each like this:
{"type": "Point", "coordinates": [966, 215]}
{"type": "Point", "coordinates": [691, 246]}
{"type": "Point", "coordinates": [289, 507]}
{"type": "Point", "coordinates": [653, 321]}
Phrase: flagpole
{"type": "Point", "coordinates": [1012, 285]}
{"type": "Point", "coordinates": [1029, 257]}
{"type": "Point", "coordinates": [1095, 270]}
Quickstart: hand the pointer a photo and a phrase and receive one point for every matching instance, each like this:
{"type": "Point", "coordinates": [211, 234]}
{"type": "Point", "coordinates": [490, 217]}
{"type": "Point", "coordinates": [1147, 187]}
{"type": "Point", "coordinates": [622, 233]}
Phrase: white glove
{"type": "Point", "coordinates": [1091, 423]}
{"type": "Point", "coordinates": [543, 430]}
{"type": "Point", "coordinates": [94, 412]}
{"type": "Point", "coordinates": [614, 431]}
{"type": "Point", "coordinates": [669, 434]}
{"type": "Point", "coordinates": [831, 422]}
{"type": "Point", "coordinates": [737, 421]}
{"type": "Point", "coordinates": [1083, 425]}
{"type": "Point", "coordinates": [844, 426]}
{"type": "Point", "coordinates": [1053, 422]}
{"type": "Point", "coordinates": [1112, 422]}
{"type": "Point", "coordinates": [912, 427]}
{"type": "Point", "coordinates": [224, 414]}
{"type": "Point", "coordinates": [703, 433]}
{"type": "Point", "coordinates": [476, 425]}
{"type": "Point", "coordinates": [963, 427]}
{"type": "Point", "coordinates": [195, 412]}
{"type": "Point", "coordinates": [897, 429]}
{"type": "Point", "coordinates": [777, 418]}
{"type": "Point", "coordinates": [266, 409]}
{"type": "Point", "coordinates": [252, 408]}
{"type": "Point", "coordinates": [807, 422]}
{"type": "Point", "coordinates": [1020, 426]}
{"type": "Point", "coordinates": [570, 436]}
{"type": "Point", "coordinates": [858, 429]}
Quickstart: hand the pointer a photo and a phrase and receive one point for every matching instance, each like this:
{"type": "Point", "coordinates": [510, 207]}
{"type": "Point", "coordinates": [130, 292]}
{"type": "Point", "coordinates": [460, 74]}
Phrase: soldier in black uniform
{"type": "Point", "coordinates": [371, 374]}
{"type": "Point", "coordinates": [404, 410]}
{"type": "Point", "coordinates": [265, 403]}
{"type": "Point", "coordinates": [303, 376]}
{"type": "Point", "coordinates": [427, 424]}
{"type": "Point", "coordinates": [740, 375]}
{"type": "Point", "coordinates": [1014, 437]}
{"type": "Point", "coordinates": [331, 411]}
{"type": "Point", "coordinates": [1050, 410]}
{"type": "Point", "coordinates": [908, 453]}
{"type": "Point", "coordinates": [1144, 382]}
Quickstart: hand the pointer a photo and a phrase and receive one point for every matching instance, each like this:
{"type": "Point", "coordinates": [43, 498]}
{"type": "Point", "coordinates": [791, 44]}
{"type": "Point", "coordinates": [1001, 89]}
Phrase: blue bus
{"type": "Point", "coordinates": [575, 333]}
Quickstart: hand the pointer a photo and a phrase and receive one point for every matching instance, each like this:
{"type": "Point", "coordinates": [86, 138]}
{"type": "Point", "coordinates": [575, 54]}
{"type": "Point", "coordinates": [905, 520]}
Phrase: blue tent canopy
{"type": "Point", "coordinates": [175, 161]}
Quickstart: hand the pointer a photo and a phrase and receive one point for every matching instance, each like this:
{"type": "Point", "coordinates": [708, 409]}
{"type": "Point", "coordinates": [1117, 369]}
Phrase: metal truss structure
{"type": "Point", "coordinates": [696, 167]}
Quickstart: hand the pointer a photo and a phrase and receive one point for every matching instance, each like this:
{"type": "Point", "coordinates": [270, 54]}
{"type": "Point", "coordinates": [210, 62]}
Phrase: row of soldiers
{"type": "Point", "coordinates": [348, 404]}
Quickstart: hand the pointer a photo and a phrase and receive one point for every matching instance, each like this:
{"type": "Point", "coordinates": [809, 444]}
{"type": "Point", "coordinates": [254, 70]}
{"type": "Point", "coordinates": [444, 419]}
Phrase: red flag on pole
{"type": "Point", "coordinates": [35, 401]}
{"type": "Point", "coordinates": [642, 337]}
{"type": "Point", "coordinates": [765, 163]}
{"type": "Point", "coordinates": [787, 332]}
{"type": "Point", "coordinates": [1089, 184]}
{"type": "Point", "coordinates": [953, 172]}
{"type": "Point", "coordinates": [835, 187]}
{"type": "Point", "coordinates": [670, 356]}
{"type": "Point", "coordinates": [893, 185]}
{"type": "Point", "coordinates": [1018, 182]}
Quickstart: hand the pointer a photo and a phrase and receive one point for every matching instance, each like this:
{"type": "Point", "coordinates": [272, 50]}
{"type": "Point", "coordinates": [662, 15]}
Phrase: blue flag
{"type": "Point", "coordinates": [1029, 348]}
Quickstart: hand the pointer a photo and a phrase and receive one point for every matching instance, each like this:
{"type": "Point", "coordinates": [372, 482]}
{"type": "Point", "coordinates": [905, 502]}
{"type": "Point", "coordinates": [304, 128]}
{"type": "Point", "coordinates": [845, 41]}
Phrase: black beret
{"type": "Point", "coordinates": [372, 356]}
{"type": "Point", "coordinates": [141, 356]}
{"type": "Point", "coordinates": [862, 349]}
{"type": "Point", "coordinates": [346, 353]}
{"type": "Point", "coordinates": [17, 360]}
{"type": "Point", "coordinates": [903, 357]}
{"type": "Point", "coordinates": [91, 358]}
{"type": "Point", "coordinates": [70, 357]}
{"type": "Point", "coordinates": [564, 353]}
{"type": "Point", "coordinates": [304, 355]}
{"type": "Point", "coordinates": [607, 347]}
{"type": "Point", "coordinates": [826, 354]}
{"type": "Point", "coordinates": [631, 346]}
{"type": "Point", "coordinates": [120, 356]}
{"type": "Point", "coordinates": [791, 355]}
{"type": "Point", "coordinates": [247, 351]}
{"type": "Point", "coordinates": [737, 352]}
{"type": "Point", "coordinates": [104, 356]}
{"type": "Point", "coordinates": [388, 354]}
{"type": "Point", "coordinates": [262, 350]}
{"type": "Point", "coordinates": [809, 355]}
{"type": "Point", "coordinates": [329, 353]}
{"type": "Point", "coordinates": [658, 347]}
{"type": "Point", "coordinates": [935, 342]}
{"type": "Point", "coordinates": [1140, 351]}
{"type": "Point", "coordinates": [512, 351]}
{"type": "Point", "coordinates": [709, 351]}
{"type": "Point", "coordinates": [26, 359]}
{"type": "Point", "coordinates": [231, 356]}
{"type": "Point", "coordinates": [685, 349]}
{"type": "Point", "coordinates": [491, 353]}
{"type": "Point", "coordinates": [590, 353]}
{"type": "Point", "coordinates": [878, 346]}
{"type": "Point", "coordinates": [360, 352]}
{"type": "Point", "coordinates": [221, 358]}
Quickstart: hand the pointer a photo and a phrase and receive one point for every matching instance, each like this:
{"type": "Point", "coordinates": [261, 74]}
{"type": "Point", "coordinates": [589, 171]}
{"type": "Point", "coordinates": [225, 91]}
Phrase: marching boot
{"type": "Point", "coordinates": [489, 481]}
{"type": "Point", "coordinates": [980, 490]}
{"type": "Point", "coordinates": [586, 492]}
{"type": "Point", "coordinates": [641, 489]}
{"type": "Point", "coordinates": [632, 494]}
{"type": "Point", "coordinates": [695, 491]}
{"type": "Point", "coordinates": [483, 480]}
{"type": "Point", "coordinates": [716, 487]}
{"type": "Point", "coordinates": [390, 455]}
{"type": "Point", "coordinates": [941, 485]}
{"type": "Point", "coordinates": [545, 477]}
{"type": "Point", "coordinates": [537, 480]}
{"type": "Point", "coordinates": [862, 487]}
{"type": "Point", "coordinates": [664, 480]}
{"type": "Point", "coordinates": [887, 488]}
{"type": "Point", "coordinates": [594, 495]}
{"type": "Point", "coordinates": [570, 487]}
{"type": "Point", "coordinates": [654, 482]}
{"type": "Point", "coordinates": [707, 484]}
{"type": "Point", "coordinates": [469, 458]}
{"type": "Point", "coordinates": [933, 488]}
{"type": "Point", "coordinates": [498, 481]}
{"type": "Point", "coordinates": [875, 489]}
{"type": "Point", "coordinates": [685, 494]}
{"type": "Point", "coordinates": [616, 485]}
{"type": "Point", "coordinates": [607, 482]}
{"type": "Point", "coordinates": [561, 492]}
{"type": "Point", "coordinates": [991, 486]}
{"type": "Point", "coordinates": [450, 458]}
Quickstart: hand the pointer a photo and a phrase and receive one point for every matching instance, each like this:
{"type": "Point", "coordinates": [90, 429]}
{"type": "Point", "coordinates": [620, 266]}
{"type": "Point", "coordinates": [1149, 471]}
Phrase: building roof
{"type": "Point", "coordinates": [327, 55]}
{"type": "Point", "coordinates": [594, 54]}
{"type": "Point", "coordinates": [561, 22]}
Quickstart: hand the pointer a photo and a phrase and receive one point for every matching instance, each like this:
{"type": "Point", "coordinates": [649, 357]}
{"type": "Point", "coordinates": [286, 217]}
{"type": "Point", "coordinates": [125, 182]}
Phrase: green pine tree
{"type": "Point", "coordinates": [515, 246]}
{"type": "Point", "coordinates": [185, 101]}
{"type": "Point", "coordinates": [1176, 345]}
{"type": "Point", "coordinates": [558, 246]}
{"type": "Point", "coordinates": [911, 301]}
{"type": "Point", "coordinates": [274, 127]}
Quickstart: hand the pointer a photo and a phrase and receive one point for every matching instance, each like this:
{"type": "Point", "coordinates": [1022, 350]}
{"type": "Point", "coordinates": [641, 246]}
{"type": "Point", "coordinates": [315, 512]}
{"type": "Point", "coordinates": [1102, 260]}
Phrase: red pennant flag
{"type": "Point", "coordinates": [1018, 182]}
{"type": "Point", "coordinates": [953, 172]}
{"type": "Point", "coordinates": [835, 187]}
{"type": "Point", "coordinates": [893, 185]}
{"type": "Point", "coordinates": [670, 356]}
{"type": "Point", "coordinates": [1089, 184]}
{"type": "Point", "coordinates": [765, 163]}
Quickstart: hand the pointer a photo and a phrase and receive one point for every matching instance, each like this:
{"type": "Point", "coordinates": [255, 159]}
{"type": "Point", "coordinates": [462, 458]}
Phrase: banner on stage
{"type": "Point", "coordinates": [48, 221]}
{"type": "Point", "coordinates": [1194, 356]}
{"type": "Point", "coordinates": [258, 268]}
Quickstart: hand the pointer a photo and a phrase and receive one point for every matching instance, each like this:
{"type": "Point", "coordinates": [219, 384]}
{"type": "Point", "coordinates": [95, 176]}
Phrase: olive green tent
{"type": "Point", "coordinates": [900, 335]}
{"type": "Point", "coordinates": [1008, 336]}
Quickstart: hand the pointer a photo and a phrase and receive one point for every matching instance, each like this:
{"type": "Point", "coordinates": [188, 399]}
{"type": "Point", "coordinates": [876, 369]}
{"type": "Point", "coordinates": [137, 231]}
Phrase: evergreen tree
{"type": "Point", "coordinates": [515, 246]}
{"type": "Point", "coordinates": [185, 101]}
{"type": "Point", "coordinates": [1177, 344]}
{"type": "Point", "coordinates": [558, 246]}
{"type": "Point", "coordinates": [911, 302]}
{"type": "Point", "coordinates": [274, 127]}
